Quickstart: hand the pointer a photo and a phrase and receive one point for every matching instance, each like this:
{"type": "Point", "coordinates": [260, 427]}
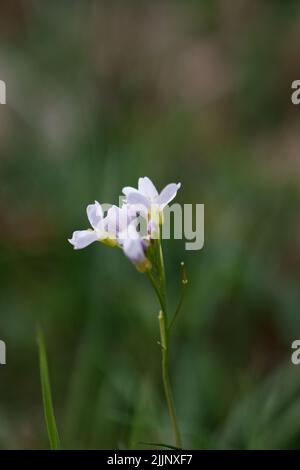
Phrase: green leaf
{"type": "Point", "coordinates": [46, 393]}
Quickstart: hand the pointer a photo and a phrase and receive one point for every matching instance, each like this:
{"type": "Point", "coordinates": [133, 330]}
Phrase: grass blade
{"type": "Point", "coordinates": [46, 393]}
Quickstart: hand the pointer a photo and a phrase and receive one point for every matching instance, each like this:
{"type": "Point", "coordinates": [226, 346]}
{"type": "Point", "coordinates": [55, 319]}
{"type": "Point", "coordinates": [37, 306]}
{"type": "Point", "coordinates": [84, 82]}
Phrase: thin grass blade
{"type": "Point", "coordinates": [46, 393]}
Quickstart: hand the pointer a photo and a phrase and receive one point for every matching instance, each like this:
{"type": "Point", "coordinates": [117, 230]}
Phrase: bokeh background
{"type": "Point", "coordinates": [98, 94]}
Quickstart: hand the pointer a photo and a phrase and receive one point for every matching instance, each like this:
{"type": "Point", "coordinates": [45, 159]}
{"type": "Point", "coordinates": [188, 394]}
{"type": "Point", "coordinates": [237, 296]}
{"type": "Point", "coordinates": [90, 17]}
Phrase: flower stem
{"type": "Point", "coordinates": [158, 281]}
{"type": "Point", "coordinates": [166, 377]}
{"type": "Point", "coordinates": [160, 296]}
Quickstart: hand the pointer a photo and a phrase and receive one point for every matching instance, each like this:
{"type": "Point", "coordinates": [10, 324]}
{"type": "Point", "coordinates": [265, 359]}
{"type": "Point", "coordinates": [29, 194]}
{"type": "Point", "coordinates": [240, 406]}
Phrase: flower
{"type": "Point", "coordinates": [134, 247]}
{"type": "Point", "coordinates": [123, 222]}
{"type": "Point", "coordinates": [117, 228]}
{"type": "Point", "coordinates": [82, 238]}
{"type": "Point", "coordinates": [147, 196]}
{"type": "Point", "coordinates": [142, 207]}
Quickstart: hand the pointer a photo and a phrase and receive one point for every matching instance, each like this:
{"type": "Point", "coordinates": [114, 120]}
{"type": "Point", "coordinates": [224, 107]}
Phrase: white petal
{"type": "Point", "coordinates": [116, 219]}
{"type": "Point", "coordinates": [124, 215]}
{"type": "Point", "coordinates": [128, 189]}
{"type": "Point", "coordinates": [110, 221]}
{"type": "Point", "coordinates": [129, 233]}
{"type": "Point", "coordinates": [138, 198]}
{"type": "Point", "coordinates": [136, 210]}
{"type": "Point", "coordinates": [82, 238]}
{"type": "Point", "coordinates": [132, 231]}
{"type": "Point", "coordinates": [95, 214]}
{"type": "Point", "coordinates": [133, 249]}
{"type": "Point", "coordinates": [147, 188]}
{"type": "Point", "coordinates": [167, 194]}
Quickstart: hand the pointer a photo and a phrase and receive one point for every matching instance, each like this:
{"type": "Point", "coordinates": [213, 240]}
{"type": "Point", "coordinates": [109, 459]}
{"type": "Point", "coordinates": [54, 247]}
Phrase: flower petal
{"type": "Point", "coordinates": [129, 189]}
{"type": "Point", "coordinates": [133, 249]}
{"type": "Point", "coordinates": [95, 214]}
{"type": "Point", "coordinates": [147, 188]}
{"type": "Point", "coordinates": [136, 210]}
{"type": "Point", "coordinates": [167, 194]}
{"type": "Point", "coordinates": [82, 238]}
{"type": "Point", "coordinates": [116, 219]}
{"type": "Point", "coordinates": [138, 199]}
{"type": "Point", "coordinates": [128, 233]}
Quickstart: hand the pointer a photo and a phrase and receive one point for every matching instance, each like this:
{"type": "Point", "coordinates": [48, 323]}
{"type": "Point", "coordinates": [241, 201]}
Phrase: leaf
{"type": "Point", "coordinates": [46, 393]}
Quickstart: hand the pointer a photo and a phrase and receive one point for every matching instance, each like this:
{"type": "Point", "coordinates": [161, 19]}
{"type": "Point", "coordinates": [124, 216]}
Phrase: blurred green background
{"type": "Point", "coordinates": [100, 93]}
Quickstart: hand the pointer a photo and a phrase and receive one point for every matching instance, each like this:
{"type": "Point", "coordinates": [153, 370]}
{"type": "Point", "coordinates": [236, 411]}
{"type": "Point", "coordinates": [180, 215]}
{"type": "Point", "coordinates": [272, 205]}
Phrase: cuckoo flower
{"type": "Point", "coordinates": [117, 219]}
{"type": "Point", "coordinates": [82, 238]}
{"type": "Point", "coordinates": [123, 222]}
{"type": "Point", "coordinates": [117, 228]}
{"type": "Point", "coordinates": [135, 246]}
{"type": "Point", "coordinates": [147, 197]}
{"type": "Point", "coordinates": [135, 228]}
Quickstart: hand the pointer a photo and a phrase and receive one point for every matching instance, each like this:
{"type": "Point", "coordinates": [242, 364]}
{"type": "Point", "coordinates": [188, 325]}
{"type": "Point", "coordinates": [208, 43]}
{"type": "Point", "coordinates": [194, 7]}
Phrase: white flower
{"type": "Point", "coordinates": [123, 222]}
{"type": "Point", "coordinates": [148, 197]}
{"type": "Point", "coordinates": [82, 238]}
{"type": "Point", "coordinates": [134, 247]}
{"type": "Point", "coordinates": [118, 227]}
{"type": "Point", "coordinates": [143, 207]}
{"type": "Point", "coordinates": [117, 219]}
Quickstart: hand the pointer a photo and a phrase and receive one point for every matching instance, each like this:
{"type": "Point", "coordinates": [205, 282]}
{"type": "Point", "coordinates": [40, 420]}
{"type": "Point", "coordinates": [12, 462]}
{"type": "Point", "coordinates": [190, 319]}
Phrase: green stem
{"type": "Point", "coordinates": [158, 281]}
{"type": "Point", "coordinates": [162, 272]}
{"type": "Point", "coordinates": [166, 376]}
{"type": "Point", "coordinates": [160, 297]}
{"type": "Point", "coordinates": [164, 339]}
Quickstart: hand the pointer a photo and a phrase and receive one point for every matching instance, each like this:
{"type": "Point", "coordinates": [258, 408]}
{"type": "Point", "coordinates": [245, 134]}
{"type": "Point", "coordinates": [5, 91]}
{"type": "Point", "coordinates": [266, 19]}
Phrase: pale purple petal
{"type": "Point", "coordinates": [116, 219]}
{"type": "Point", "coordinates": [95, 214]}
{"type": "Point", "coordinates": [129, 189]}
{"type": "Point", "coordinates": [136, 210]}
{"type": "Point", "coordinates": [167, 194]}
{"type": "Point", "coordinates": [133, 234]}
{"type": "Point", "coordinates": [111, 220]}
{"type": "Point", "coordinates": [128, 233]}
{"type": "Point", "coordinates": [133, 249]}
{"type": "Point", "coordinates": [82, 238]}
{"type": "Point", "coordinates": [138, 198]}
{"type": "Point", "coordinates": [147, 188]}
{"type": "Point", "coordinates": [124, 216]}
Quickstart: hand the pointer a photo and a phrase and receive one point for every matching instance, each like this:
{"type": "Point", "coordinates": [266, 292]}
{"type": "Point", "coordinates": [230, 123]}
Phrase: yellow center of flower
{"type": "Point", "coordinates": [108, 239]}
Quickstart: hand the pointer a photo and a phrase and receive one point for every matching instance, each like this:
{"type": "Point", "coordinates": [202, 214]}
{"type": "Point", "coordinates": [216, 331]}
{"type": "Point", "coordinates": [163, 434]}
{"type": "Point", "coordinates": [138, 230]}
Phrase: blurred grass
{"type": "Point", "coordinates": [99, 94]}
{"type": "Point", "coordinates": [46, 394]}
